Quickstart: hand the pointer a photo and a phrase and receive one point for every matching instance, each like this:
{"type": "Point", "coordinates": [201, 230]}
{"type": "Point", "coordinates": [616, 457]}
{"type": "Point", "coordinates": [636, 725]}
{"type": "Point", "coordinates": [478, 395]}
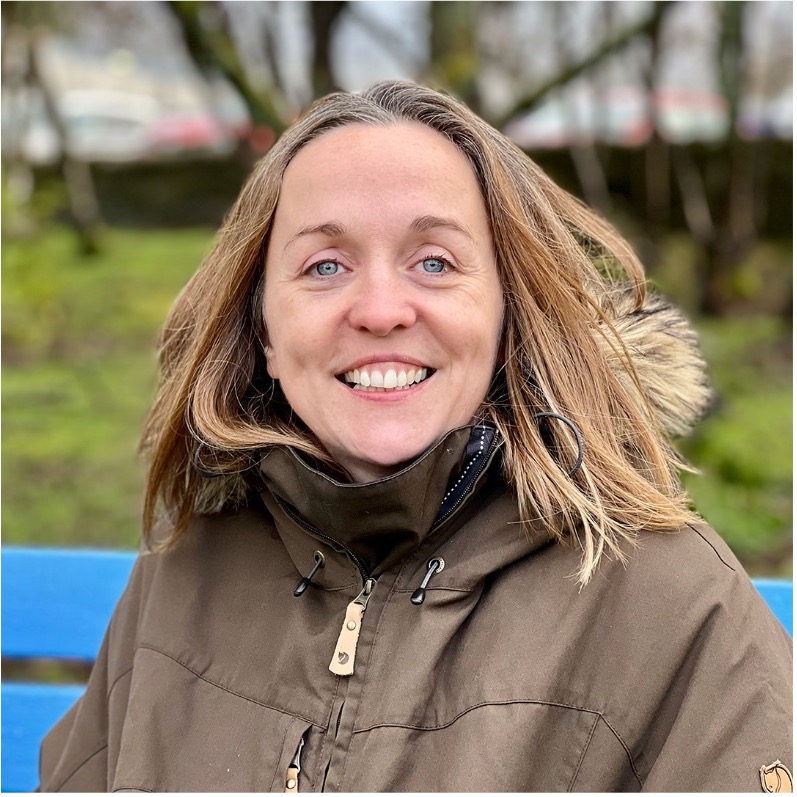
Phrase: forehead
{"type": "Point", "coordinates": [408, 162]}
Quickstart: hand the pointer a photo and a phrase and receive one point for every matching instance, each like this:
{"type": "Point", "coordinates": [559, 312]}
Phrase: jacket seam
{"type": "Point", "coordinates": [627, 750]}
{"type": "Point", "coordinates": [708, 542]}
{"type": "Point", "coordinates": [133, 788]}
{"type": "Point", "coordinates": [117, 679]}
{"type": "Point", "coordinates": [279, 758]}
{"type": "Point", "coordinates": [462, 713]}
{"type": "Point", "coordinates": [377, 632]}
{"type": "Point", "coordinates": [357, 486]}
{"type": "Point", "coordinates": [583, 753]}
{"type": "Point", "coordinates": [225, 688]}
{"type": "Point", "coordinates": [436, 589]}
{"type": "Point", "coordinates": [79, 767]}
{"type": "Point", "coordinates": [332, 703]}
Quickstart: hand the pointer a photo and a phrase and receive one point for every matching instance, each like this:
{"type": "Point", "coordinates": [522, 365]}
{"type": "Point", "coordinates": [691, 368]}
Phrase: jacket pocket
{"type": "Point", "coordinates": [184, 733]}
{"type": "Point", "coordinates": [293, 773]}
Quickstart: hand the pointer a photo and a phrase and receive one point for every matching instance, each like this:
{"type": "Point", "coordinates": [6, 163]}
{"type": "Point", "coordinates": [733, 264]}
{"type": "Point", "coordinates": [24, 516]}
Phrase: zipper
{"type": "Point", "coordinates": [295, 767]}
{"type": "Point", "coordinates": [465, 489]}
{"type": "Point", "coordinates": [309, 527]}
{"type": "Point", "coordinates": [346, 649]}
{"type": "Point", "coordinates": [345, 653]}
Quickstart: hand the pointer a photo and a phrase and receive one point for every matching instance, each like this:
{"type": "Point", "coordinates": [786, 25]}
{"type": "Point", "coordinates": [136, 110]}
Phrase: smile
{"type": "Point", "coordinates": [374, 380]}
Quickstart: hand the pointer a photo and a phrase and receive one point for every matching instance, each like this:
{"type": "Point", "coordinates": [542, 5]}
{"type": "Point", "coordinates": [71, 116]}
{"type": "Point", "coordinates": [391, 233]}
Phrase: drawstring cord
{"type": "Point", "coordinates": [437, 563]}
{"type": "Point", "coordinates": [305, 582]}
{"type": "Point", "coordinates": [434, 565]}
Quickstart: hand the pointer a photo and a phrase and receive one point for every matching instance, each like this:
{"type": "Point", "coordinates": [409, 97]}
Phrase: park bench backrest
{"type": "Point", "coordinates": [57, 603]}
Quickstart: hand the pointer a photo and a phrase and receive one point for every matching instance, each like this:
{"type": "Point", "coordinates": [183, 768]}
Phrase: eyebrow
{"type": "Point", "coordinates": [426, 223]}
{"type": "Point", "coordinates": [334, 229]}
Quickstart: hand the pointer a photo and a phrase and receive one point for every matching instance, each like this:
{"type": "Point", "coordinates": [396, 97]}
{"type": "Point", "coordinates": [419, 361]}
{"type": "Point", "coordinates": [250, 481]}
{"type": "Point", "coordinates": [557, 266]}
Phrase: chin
{"type": "Point", "coordinates": [389, 457]}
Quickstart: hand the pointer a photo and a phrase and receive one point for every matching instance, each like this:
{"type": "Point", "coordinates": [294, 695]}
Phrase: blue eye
{"type": "Point", "coordinates": [326, 268]}
{"type": "Point", "coordinates": [433, 265]}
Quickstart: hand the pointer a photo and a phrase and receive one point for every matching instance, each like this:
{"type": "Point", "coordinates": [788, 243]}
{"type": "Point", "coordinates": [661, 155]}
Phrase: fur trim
{"type": "Point", "coordinates": [665, 351]}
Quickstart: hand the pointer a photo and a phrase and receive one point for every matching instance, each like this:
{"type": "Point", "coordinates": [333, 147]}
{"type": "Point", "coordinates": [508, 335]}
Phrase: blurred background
{"type": "Point", "coordinates": [128, 129]}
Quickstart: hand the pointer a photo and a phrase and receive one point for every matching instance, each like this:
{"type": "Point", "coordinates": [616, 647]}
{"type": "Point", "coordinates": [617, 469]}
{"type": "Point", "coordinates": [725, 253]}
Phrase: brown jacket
{"type": "Point", "coordinates": [669, 674]}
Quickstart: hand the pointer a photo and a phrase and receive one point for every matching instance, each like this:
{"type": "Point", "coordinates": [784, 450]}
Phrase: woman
{"type": "Point", "coordinates": [417, 523]}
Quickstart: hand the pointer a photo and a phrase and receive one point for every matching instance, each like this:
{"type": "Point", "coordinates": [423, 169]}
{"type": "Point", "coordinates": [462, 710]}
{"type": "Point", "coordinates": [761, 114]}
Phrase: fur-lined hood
{"type": "Point", "coordinates": [665, 351]}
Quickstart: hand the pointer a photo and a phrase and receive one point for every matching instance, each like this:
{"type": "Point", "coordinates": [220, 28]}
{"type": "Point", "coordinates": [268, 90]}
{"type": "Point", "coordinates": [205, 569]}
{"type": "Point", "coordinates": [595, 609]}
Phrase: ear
{"type": "Point", "coordinates": [271, 365]}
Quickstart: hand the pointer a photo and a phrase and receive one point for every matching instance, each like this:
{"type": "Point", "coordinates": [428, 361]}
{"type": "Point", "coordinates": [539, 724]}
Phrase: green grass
{"type": "Point", "coordinates": [744, 449]}
{"type": "Point", "coordinates": [79, 374]}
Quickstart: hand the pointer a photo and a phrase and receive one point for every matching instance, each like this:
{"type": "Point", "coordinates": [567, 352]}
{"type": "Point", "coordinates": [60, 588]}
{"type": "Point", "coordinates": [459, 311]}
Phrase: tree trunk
{"type": "Point", "coordinates": [83, 204]}
{"type": "Point", "coordinates": [323, 19]}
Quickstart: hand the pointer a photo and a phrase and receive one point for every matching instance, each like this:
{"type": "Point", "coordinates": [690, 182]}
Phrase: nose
{"type": "Point", "coordinates": [381, 302]}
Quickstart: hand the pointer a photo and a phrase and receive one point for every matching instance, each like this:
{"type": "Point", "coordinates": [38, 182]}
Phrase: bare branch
{"type": "Point", "coordinates": [608, 48]}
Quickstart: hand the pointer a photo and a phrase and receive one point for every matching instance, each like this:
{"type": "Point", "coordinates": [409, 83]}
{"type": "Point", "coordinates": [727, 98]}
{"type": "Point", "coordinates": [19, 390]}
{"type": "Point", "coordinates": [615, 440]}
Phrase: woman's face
{"type": "Point", "coordinates": [383, 304]}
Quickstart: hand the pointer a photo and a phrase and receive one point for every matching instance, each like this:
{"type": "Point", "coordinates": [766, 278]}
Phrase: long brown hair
{"type": "Point", "coordinates": [560, 266]}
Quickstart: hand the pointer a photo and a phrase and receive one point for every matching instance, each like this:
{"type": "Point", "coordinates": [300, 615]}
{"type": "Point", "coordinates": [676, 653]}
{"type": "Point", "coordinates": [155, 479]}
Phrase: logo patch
{"type": "Point", "coordinates": [776, 778]}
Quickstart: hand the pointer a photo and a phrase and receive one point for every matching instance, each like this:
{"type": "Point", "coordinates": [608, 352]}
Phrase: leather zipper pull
{"type": "Point", "coordinates": [345, 651]}
{"type": "Point", "coordinates": [292, 775]}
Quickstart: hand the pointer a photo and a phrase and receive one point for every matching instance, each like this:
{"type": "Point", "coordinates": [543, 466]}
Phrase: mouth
{"type": "Point", "coordinates": [373, 379]}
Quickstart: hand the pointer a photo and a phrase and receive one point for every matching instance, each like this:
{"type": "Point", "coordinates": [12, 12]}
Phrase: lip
{"type": "Point", "coordinates": [386, 395]}
{"type": "Point", "coordinates": [384, 359]}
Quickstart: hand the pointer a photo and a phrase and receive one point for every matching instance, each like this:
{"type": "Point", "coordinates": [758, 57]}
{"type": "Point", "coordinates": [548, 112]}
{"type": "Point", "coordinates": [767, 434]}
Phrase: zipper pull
{"type": "Point", "coordinates": [343, 658]}
{"type": "Point", "coordinates": [292, 776]}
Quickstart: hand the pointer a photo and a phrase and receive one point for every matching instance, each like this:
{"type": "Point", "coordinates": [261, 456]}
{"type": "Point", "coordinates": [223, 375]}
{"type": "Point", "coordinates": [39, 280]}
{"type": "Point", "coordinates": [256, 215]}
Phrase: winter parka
{"type": "Point", "coordinates": [438, 648]}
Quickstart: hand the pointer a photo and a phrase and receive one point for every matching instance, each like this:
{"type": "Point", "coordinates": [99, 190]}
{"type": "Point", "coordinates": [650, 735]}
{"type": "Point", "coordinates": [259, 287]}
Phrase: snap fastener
{"type": "Point", "coordinates": [351, 625]}
{"type": "Point", "coordinates": [291, 784]}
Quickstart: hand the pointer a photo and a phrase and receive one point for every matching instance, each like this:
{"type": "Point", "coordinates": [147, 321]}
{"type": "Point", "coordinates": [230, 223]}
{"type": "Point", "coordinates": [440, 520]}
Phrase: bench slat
{"type": "Point", "coordinates": [29, 711]}
{"type": "Point", "coordinates": [57, 603]}
{"type": "Point", "coordinates": [779, 596]}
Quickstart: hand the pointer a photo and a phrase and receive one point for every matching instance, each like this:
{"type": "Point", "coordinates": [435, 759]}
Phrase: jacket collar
{"type": "Point", "coordinates": [380, 522]}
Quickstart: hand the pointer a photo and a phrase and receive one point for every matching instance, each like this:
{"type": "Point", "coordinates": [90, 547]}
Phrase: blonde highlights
{"type": "Point", "coordinates": [564, 273]}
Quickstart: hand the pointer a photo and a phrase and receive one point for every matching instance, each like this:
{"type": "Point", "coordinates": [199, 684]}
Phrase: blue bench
{"type": "Point", "coordinates": [56, 604]}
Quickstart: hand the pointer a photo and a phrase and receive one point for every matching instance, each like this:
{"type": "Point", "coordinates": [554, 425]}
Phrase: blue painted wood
{"type": "Point", "coordinates": [779, 596]}
{"type": "Point", "coordinates": [29, 711]}
{"type": "Point", "coordinates": [57, 602]}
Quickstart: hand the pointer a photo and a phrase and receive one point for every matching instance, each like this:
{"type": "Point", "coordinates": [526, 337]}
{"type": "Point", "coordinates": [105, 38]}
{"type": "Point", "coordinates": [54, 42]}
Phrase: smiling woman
{"type": "Point", "coordinates": [412, 403]}
{"type": "Point", "coordinates": [382, 319]}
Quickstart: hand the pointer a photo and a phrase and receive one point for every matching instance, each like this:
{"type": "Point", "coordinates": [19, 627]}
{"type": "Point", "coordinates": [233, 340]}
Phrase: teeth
{"type": "Point", "coordinates": [391, 380]}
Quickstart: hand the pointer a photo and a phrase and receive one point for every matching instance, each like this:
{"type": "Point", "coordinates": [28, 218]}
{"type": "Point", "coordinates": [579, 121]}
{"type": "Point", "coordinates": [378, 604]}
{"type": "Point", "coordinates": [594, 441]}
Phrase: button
{"type": "Point", "coordinates": [351, 625]}
{"type": "Point", "coordinates": [291, 784]}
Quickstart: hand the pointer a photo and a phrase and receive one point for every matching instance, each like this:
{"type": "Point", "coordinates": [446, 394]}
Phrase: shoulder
{"type": "Point", "coordinates": [218, 553]}
{"type": "Point", "coordinates": [240, 533]}
{"type": "Point", "coordinates": [696, 547]}
{"type": "Point", "coordinates": [693, 572]}
{"type": "Point", "coordinates": [683, 584]}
